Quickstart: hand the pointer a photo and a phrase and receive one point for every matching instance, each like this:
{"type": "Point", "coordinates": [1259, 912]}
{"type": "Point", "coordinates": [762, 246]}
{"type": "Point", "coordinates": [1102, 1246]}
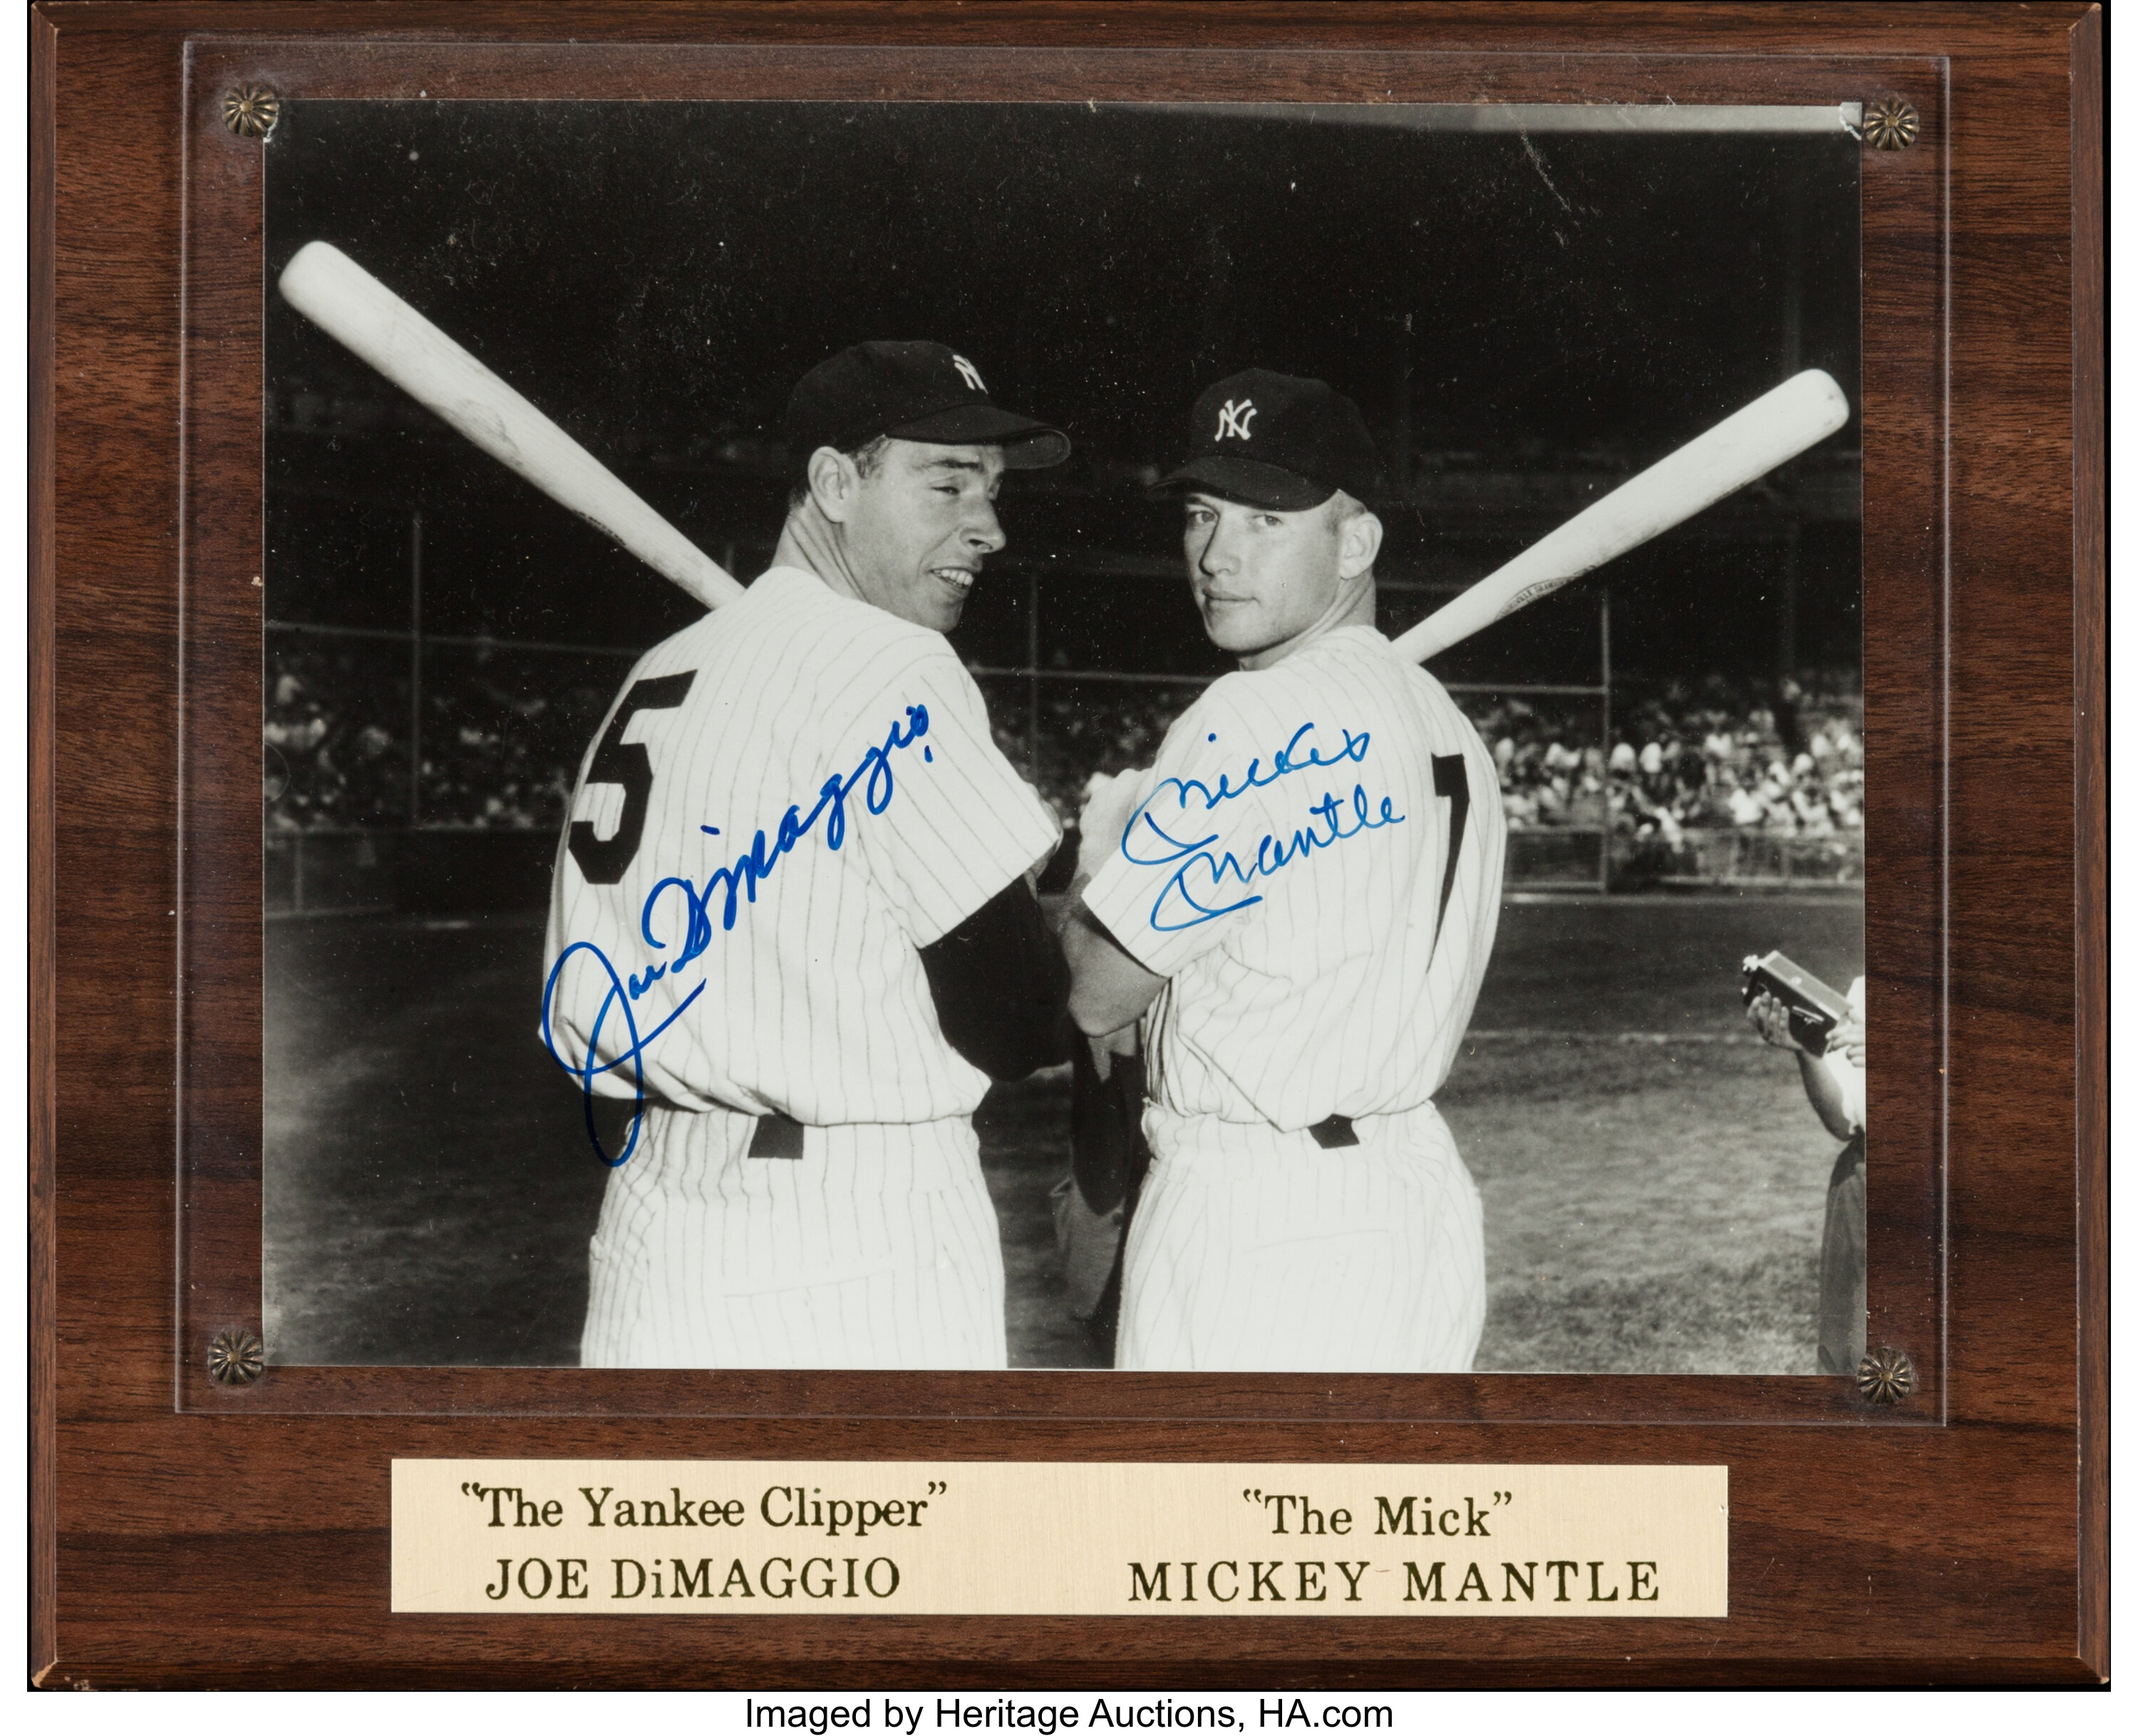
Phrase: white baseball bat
{"type": "Point", "coordinates": [338, 295]}
{"type": "Point", "coordinates": [1767, 431]}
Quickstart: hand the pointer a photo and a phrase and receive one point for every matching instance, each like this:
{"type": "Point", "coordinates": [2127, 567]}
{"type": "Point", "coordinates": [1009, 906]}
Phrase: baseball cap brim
{"type": "Point", "coordinates": [1249, 481]}
{"type": "Point", "coordinates": [1026, 445]}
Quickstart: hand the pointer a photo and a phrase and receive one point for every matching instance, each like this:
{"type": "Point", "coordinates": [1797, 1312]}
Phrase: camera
{"type": "Point", "coordinates": [1815, 1008]}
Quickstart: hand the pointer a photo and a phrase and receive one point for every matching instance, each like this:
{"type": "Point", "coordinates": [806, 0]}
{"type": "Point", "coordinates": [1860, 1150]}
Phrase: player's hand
{"type": "Point", "coordinates": [1848, 1040]}
{"type": "Point", "coordinates": [1770, 1018]}
{"type": "Point", "coordinates": [1109, 803]}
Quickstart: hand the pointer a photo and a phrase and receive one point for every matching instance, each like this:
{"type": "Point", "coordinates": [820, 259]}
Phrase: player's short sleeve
{"type": "Point", "coordinates": [958, 823]}
{"type": "Point", "coordinates": [1185, 874]}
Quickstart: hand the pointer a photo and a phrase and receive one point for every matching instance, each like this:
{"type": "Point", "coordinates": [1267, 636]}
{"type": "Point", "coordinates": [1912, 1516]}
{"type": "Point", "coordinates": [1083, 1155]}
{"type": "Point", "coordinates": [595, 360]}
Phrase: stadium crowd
{"type": "Point", "coordinates": [502, 734]}
{"type": "Point", "coordinates": [1791, 764]}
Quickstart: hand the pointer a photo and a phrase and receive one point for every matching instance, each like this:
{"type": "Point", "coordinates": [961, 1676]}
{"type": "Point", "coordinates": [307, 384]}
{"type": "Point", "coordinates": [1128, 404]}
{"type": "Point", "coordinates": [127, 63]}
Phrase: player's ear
{"type": "Point", "coordinates": [1358, 542]}
{"type": "Point", "coordinates": [833, 483]}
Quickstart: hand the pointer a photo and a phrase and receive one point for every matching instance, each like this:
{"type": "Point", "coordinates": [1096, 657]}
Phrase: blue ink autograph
{"type": "Point", "coordinates": [873, 777]}
{"type": "Point", "coordinates": [1271, 855]}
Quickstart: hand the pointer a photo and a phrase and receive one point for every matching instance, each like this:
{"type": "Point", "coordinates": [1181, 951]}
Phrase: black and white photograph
{"type": "Point", "coordinates": [1186, 737]}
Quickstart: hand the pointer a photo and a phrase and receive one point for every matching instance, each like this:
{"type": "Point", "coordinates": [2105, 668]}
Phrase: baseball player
{"type": "Point", "coordinates": [792, 920]}
{"type": "Point", "coordinates": [1298, 900]}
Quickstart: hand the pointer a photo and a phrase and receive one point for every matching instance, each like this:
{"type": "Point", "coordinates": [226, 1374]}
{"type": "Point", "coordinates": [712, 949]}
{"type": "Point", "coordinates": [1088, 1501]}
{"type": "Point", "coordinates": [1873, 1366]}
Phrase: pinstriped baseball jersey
{"type": "Point", "coordinates": [789, 798]}
{"type": "Point", "coordinates": [879, 1249]}
{"type": "Point", "coordinates": [1252, 1249]}
{"type": "Point", "coordinates": [1316, 870]}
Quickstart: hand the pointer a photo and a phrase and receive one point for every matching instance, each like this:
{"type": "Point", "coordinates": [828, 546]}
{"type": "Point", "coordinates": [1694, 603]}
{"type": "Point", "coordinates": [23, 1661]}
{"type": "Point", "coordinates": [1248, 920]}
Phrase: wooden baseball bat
{"type": "Point", "coordinates": [1741, 448]}
{"type": "Point", "coordinates": [338, 295]}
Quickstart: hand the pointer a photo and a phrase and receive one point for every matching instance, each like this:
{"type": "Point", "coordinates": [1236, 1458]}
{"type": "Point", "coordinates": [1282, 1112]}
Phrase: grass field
{"type": "Point", "coordinates": [1652, 1181]}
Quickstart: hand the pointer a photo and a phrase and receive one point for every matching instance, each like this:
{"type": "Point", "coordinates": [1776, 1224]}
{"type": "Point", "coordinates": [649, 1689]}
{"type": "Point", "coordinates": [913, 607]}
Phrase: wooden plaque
{"type": "Point", "coordinates": [191, 1530]}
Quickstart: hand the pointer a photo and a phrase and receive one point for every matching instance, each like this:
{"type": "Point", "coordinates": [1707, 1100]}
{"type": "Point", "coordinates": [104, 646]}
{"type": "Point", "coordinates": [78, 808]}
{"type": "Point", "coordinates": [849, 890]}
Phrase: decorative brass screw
{"type": "Point", "coordinates": [1890, 125]}
{"type": "Point", "coordinates": [250, 110]}
{"type": "Point", "coordinates": [1885, 1376]}
{"type": "Point", "coordinates": [234, 1355]}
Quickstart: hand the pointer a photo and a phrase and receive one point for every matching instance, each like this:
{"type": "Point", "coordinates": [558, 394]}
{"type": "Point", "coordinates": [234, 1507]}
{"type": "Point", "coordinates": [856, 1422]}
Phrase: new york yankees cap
{"type": "Point", "coordinates": [1278, 440]}
{"type": "Point", "coordinates": [912, 390]}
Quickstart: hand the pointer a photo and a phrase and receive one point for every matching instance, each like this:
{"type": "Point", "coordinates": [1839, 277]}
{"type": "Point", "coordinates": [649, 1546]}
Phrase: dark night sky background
{"type": "Point", "coordinates": [1532, 319]}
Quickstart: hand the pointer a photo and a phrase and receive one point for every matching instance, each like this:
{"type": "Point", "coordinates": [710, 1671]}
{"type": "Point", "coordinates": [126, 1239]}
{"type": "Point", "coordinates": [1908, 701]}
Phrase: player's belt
{"type": "Point", "coordinates": [778, 1136]}
{"type": "Point", "coordinates": [1331, 1132]}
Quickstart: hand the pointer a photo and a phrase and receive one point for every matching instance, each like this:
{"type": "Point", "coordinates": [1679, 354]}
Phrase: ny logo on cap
{"type": "Point", "coordinates": [1234, 418]}
{"type": "Point", "coordinates": [966, 372]}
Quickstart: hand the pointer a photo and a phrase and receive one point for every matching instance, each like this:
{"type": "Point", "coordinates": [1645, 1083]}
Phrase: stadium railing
{"type": "Point", "coordinates": [1748, 859]}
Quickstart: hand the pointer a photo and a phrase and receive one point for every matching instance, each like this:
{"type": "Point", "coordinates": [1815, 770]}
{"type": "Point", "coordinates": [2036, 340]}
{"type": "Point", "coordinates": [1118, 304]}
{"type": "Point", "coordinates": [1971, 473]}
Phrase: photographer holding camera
{"type": "Point", "coordinates": [1833, 1081]}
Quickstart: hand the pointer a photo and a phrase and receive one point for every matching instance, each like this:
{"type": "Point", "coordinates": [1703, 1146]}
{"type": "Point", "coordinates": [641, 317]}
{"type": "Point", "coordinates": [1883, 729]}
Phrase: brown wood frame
{"type": "Point", "coordinates": [171, 1546]}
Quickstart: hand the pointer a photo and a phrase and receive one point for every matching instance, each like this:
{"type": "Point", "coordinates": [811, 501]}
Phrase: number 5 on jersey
{"type": "Point", "coordinates": [626, 763]}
